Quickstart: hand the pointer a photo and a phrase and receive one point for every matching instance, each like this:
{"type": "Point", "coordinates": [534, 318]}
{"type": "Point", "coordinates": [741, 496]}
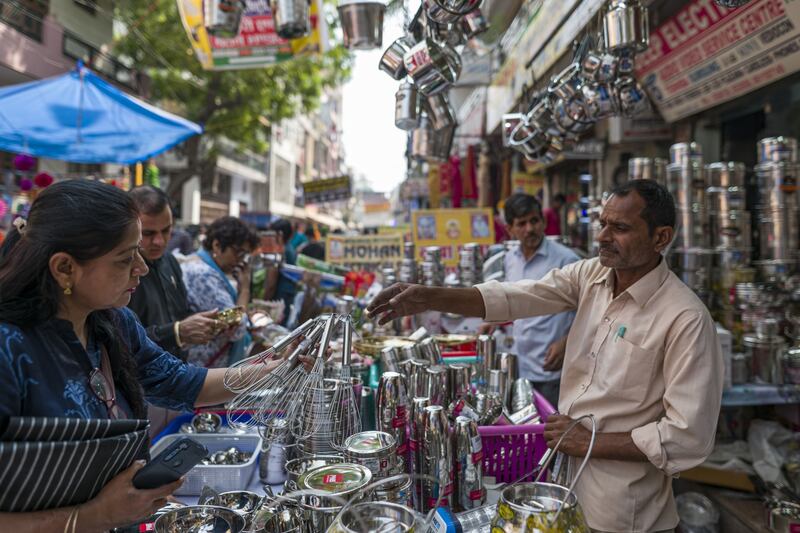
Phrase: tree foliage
{"type": "Point", "coordinates": [240, 105]}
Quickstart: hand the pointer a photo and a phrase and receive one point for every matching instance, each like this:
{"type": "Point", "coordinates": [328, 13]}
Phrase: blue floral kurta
{"type": "Point", "coordinates": [207, 289]}
{"type": "Point", "coordinates": [44, 371]}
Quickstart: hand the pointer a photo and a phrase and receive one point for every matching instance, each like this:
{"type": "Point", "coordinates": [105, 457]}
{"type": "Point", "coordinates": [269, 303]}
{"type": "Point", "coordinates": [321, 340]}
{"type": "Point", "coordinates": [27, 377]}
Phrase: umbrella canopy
{"type": "Point", "coordinates": [80, 118]}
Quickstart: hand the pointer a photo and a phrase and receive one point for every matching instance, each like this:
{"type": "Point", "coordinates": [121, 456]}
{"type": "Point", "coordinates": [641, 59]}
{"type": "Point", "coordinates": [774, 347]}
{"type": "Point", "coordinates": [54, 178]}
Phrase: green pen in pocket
{"type": "Point", "coordinates": [620, 333]}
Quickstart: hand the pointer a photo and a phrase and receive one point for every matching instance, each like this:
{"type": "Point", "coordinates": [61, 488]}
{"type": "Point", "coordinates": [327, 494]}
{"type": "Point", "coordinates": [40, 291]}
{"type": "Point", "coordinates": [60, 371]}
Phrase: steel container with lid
{"type": "Point", "coordinates": [373, 449]}
{"type": "Point", "coordinates": [766, 349]}
{"type": "Point", "coordinates": [777, 185]}
{"type": "Point", "coordinates": [777, 149]}
{"type": "Point", "coordinates": [399, 492]}
{"type": "Point", "coordinates": [791, 366]}
{"type": "Point", "coordinates": [686, 153]}
{"type": "Point", "coordinates": [334, 486]}
{"type": "Point", "coordinates": [366, 517]}
{"type": "Point", "coordinates": [648, 168]}
{"type": "Point", "coordinates": [297, 467]}
{"type": "Point", "coordinates": [626, 26]}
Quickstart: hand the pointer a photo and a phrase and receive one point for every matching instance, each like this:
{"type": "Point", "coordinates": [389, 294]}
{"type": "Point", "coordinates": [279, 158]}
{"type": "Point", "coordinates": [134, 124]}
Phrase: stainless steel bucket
{"type": "Point", "coordinates": [392, 59]}
{"type": "Point", "coordinates": [292, 18]}
{"type": "Point", "coordinates": [446, 11]}
{"type": "Point", "coordinates": [362, 23]}
{"type": "Point", "coordinates": [406, 109]}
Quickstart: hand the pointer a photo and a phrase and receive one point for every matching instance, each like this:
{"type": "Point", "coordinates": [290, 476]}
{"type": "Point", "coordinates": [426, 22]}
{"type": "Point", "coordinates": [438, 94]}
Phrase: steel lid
{"type": "Point", "coordinates": [336, 480]}
{"type": "Point", "coordinates": [369, 444]}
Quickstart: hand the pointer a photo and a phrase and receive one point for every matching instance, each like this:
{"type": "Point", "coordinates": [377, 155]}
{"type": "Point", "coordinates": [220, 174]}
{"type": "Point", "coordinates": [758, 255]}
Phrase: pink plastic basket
{"type": "Point", "coordinates": [511, 452]}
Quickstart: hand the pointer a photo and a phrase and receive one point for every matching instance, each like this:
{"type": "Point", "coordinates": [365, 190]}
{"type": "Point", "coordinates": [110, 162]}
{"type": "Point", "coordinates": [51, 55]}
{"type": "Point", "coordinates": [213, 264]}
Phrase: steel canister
{"type": "Point", "coordinates": [436, 457]}
{"type": "Point", "coordinates": [459, 378]}
{"type": "Point", "coordinates": [437, 384]}
{"type": "Point", "coordinates": [332, 485]}
{"type": "Point", "coordinates": [374, 449]}
{"type": "Point", "coordinates": [468, 465]}
{"type": "Point", "coordinates": [392, 409]}
{"type": "Point", "coordinates": [508, 363]}
{"type": "Point", "coordinates": [389, 359]}
{"type": "Point", "coordinates": [418, 406]}
{"type": "Point", "coordinates": [486, 351]}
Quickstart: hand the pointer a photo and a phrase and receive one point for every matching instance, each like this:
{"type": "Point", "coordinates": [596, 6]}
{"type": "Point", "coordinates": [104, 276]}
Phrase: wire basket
{"type": "Point", "coordinates": [221, 478]}
{"type": "Point", "coordinates": [511, 452]}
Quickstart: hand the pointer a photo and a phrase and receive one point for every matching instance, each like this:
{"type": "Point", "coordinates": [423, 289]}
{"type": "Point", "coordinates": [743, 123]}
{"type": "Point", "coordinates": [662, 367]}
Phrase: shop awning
{"type": "Point", "coordinates": [80, 118]}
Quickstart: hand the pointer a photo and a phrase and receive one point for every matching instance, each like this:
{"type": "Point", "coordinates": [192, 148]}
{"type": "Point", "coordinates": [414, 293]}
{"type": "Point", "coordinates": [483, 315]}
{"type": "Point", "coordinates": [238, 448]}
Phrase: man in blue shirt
{"type": "Point", "coordinates": [540, 341]}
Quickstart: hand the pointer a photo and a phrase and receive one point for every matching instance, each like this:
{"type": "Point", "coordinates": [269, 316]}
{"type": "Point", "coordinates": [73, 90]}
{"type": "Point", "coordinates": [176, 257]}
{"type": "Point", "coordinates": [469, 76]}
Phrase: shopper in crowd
{"type": "Point", "coordinates": [206, 274]}
{"type": "Point", "coordinates": [314, 248]}
{"type": "Point", "coordinates": [160, 302]}
{"type": "Point", "coordinates": [300, 235]}
{"type": "Point", "coordinates": [642, 357]}
{"type": "Point", "coordinates": [286, 289]}
{"type": "Point", "coordinates": [552, 215]}
{"type": "Point", "coordinates": [539, 341]}
{"type": "Point", "coordinates": [66, 275]}
{"type": "Point", "coordinates": [180, 240]}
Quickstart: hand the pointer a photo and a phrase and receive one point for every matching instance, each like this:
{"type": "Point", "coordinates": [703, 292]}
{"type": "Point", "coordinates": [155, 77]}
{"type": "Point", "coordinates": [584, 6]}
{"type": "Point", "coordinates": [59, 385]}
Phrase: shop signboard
{"type": "Point", "coordinates": [638, 129]}
{"type": "Point", "coordinates": [707, 55]}
{"type": "Point", "coordinates": [587, 149]}
{"type": "Point", "coordinates": [364, 249]}
{"type": "Point", "coordinates": [527, 183]}
{"type": "Point", "coordinates": [329, 190]}
{"type": "Point", "coordinates": [450, 229]}
{"type": "Point", "coordinates": [257, 45]}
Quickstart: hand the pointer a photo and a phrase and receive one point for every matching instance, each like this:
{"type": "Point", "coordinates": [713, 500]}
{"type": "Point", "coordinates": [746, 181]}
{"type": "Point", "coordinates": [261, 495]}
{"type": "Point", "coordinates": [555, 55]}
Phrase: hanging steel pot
{"type": "Point", "coordinates": [392, 59]}
{"type": "Point", "coordinates": [222, 17]}
{"type": "Point", "coordinates": [362, 23]}
{"type": "Point", "coordinates": [406, 108]}
{"type": "Point", "coordinates": [433, 68]}
{"type": "Point", "coordinates": [440, 111]}
{"type": "Point", "coordinates": [292, 17]}
{"type": "Point", "coordinates": [626, 26]}
{"type": "Point", "coordinates": [446, 11]}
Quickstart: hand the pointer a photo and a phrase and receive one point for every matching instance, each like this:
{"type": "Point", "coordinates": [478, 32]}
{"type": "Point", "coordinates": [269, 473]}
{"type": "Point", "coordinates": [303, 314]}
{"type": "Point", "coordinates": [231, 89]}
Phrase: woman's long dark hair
{"type": "Point", "coordinates": [86, 219]}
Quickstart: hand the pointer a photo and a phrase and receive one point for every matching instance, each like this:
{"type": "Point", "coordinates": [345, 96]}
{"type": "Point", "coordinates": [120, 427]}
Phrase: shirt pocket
{"type": "Point", "coordinates": [634, 370]}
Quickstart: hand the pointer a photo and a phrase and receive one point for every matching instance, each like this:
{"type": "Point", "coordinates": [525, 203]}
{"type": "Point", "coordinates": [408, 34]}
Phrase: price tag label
{"type": "Point", "coordinates": [332, 478]}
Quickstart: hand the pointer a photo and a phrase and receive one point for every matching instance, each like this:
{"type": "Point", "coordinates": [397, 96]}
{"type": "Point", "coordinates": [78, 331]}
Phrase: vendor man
{"type": "Point", "coordinates": [539, 341]}
{"type": "Point", "coordinates": [642, 357]}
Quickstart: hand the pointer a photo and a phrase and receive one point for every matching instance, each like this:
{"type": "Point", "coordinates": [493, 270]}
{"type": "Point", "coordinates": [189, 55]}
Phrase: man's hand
{"type": "Point", "coordinates": [554, 357]}
{"type": "Point", "coordinates": [486, 329]}
{"type": "Point", "coordinates": [199, 328]}
{"type": "Point", "coordinates": [399, 300]}
{"type": "Point", "coordinates": [576, 443]}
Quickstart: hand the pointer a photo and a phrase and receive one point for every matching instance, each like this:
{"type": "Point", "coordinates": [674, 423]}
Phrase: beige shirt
{"type": "Point", "coordinates": [647, 362]}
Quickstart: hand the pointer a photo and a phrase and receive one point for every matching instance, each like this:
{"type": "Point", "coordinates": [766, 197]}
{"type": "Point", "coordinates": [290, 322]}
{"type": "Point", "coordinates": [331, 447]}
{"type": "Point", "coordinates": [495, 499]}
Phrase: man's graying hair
{"type": "Point", "coordinates": [659, 206]}
{"type": "Point", "coordinates": [519, 205]}
{"type": "Point", "coordinates": [149, 200]}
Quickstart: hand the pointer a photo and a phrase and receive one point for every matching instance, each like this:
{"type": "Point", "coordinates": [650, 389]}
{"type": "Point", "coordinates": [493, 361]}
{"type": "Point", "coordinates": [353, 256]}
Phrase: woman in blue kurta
{"type": "Point", "coordinates": [206, 276]}
{"type": "Point", "coordinates": [68, 346]}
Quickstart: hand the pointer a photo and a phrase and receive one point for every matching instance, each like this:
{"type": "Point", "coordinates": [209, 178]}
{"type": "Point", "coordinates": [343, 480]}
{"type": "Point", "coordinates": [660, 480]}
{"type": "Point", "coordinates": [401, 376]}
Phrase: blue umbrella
{"type": "Point", "coordinates": [80, 118]}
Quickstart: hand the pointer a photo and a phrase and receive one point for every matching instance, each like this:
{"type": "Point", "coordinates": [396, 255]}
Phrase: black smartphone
{"type": "Point", "coordinates": [170, 464]}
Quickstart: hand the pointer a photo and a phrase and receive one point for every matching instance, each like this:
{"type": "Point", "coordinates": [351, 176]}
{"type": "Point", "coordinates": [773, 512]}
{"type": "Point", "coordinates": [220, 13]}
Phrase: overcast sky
{"type": "Point", "coordinates": [374, 146]}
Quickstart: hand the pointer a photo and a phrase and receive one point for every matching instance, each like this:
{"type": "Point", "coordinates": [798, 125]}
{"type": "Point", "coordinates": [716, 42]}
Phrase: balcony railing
{"type": "Point", "coordinates": [102, 63]}
{"type": "Point", "coordinates": [25, 16]}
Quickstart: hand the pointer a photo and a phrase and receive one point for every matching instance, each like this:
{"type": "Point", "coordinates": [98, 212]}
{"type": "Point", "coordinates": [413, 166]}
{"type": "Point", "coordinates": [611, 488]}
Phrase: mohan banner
{"type": "Point", "coordinates": [257, 45]}
{"type": "Point", "coordinates": [708, 54]}
{"type": "Point", "coordinates": [364, 249]}
{"type": "Point", "coordinates": [450, 229]}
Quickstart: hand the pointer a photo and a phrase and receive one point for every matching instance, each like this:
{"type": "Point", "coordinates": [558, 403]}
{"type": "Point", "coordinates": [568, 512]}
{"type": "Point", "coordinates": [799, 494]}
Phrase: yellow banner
{"type": "Point", "coordinates": [257, 45]}
{"type": "Point", "coordinates": [364, 249]}
{"type": "Point", "coordinates": [527, 183]}
{"type": "Point", "coordinates": [450, 229]}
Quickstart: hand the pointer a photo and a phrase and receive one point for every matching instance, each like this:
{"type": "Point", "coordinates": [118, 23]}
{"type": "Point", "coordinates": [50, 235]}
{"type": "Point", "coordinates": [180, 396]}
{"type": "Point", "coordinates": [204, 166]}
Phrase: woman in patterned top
{"type": "Point", "coordinates": [66, 275]}
{"type": "Point", "coordinates": [206, 276]}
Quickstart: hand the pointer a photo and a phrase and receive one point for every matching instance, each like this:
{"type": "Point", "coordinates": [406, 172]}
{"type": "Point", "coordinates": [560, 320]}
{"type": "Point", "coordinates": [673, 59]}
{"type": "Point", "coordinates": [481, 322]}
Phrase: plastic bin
{"type": "Point", "coordinates": [221, 478]}
{"type": "Point", "coordinates": [175, 424]}
{"type": "Point", "coordinates": [511, 452]}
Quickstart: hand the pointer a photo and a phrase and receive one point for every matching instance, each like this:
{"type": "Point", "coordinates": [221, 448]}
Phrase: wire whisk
{"type": "Point", "coordinates": [309, 420]}
{"type": "Point", "coordinates": [278, 394]}
{"type": "Point", "coordinates": [344, 409]}
{"type": "Point", "coordinates": [243, 374]}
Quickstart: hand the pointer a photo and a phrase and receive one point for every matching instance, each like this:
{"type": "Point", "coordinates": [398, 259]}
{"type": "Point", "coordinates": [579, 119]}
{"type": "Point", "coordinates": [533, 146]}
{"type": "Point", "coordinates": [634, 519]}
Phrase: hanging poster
{"type": "Point", "coordinates": [257, 45]}
{"type": "Point", "coordinates": [329, 190]}
{"type": "Point", "coordinates": [450, 229]}
{"type": "Point", "coordinates": [364, 249]}
{"type": "Point", "coordinates": [708, 54]}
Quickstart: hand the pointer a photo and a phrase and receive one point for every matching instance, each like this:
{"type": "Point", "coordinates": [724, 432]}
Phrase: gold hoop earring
{"type": "Point", "coordinates": [68, 290]}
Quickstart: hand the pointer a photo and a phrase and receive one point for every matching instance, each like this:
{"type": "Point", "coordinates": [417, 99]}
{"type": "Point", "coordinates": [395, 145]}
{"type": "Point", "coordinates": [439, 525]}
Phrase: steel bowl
{"type": "Point", "coordinates": [200, 519]}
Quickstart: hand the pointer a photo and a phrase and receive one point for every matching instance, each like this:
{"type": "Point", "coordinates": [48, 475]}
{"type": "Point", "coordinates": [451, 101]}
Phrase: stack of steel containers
{"type": "Point", "coordinates": [648, 168]}
{"type": "Point", "coordinates": [432, 268]}
{"type": "Point", "coordinates": [470, 265]}
{"type": "Point", "coordinates": [730, 232]}
{"type": "Point", "coordinates": [777, 206]}
{"type": "Point", "coordinates": [691, 256]}
{"type": "Point", "coordinates": [409, 271]}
